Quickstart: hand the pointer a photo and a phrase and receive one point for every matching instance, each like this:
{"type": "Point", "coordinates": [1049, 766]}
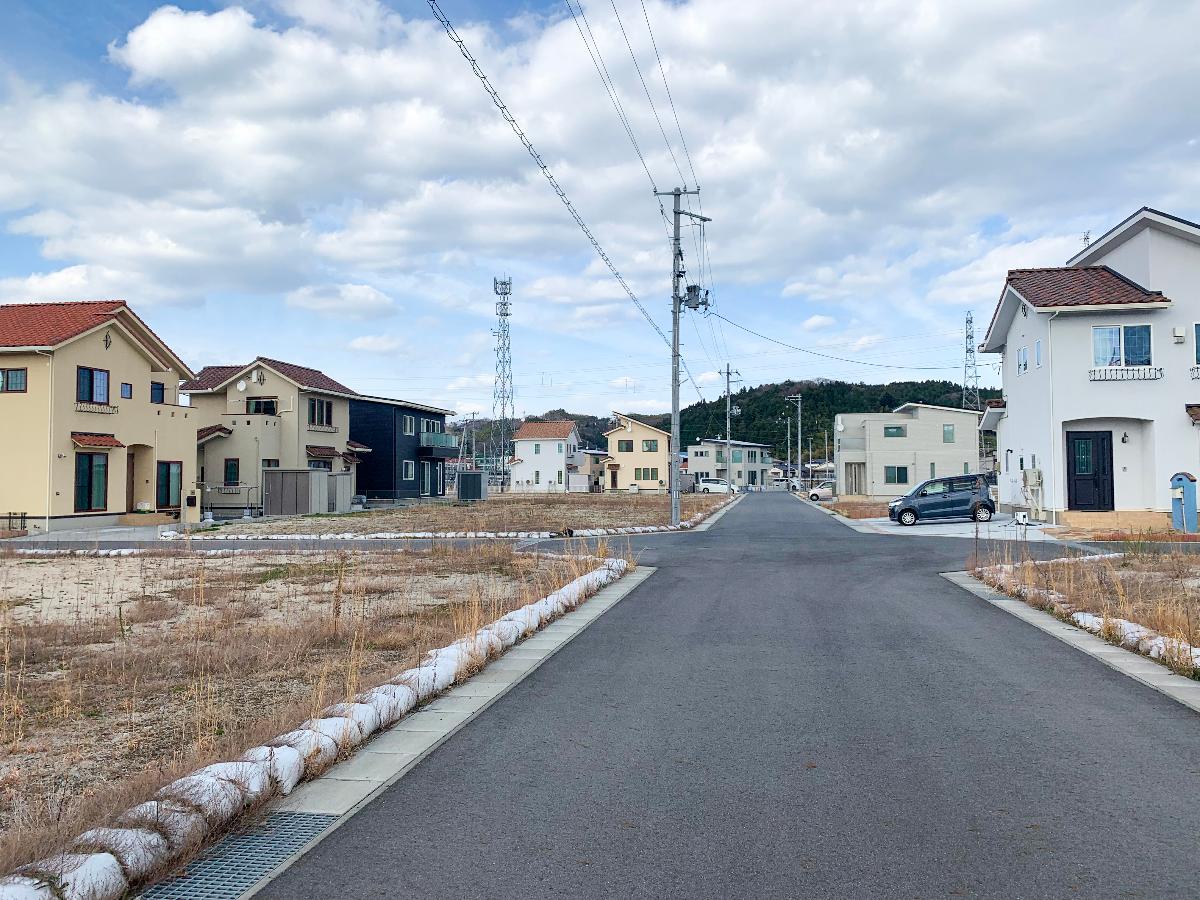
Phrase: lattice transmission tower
{"type": "Point", "coordinates": [502, 392]}
{"type": "Point", "coordinates": [970, 398]}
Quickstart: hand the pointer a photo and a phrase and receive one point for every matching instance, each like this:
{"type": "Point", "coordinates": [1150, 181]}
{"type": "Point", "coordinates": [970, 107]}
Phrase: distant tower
{"type": "Point", "coordinates": [970, 398]}
{"type": "Point", "coordinates": [502, 392]}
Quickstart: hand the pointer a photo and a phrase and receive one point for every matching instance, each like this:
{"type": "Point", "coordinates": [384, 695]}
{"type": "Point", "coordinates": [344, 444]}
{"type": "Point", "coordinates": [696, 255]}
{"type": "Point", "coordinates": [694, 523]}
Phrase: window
{"type": "Point", "coordinates": [262, 406]}
{"type": "Point", "coordinates": [320, 412]}
{"type": "Point", "coordinates": [737, 456]}
{"type": "Point", "coordinates": [966, 468]}
{"type": "Point", "coordinates": [410, 467]}
{"type": "Point", "coordinates": [409, 427]}
{"type": "Point", "coordinates": [1121, 345]}
{"type": "Point", "coordinates": [934, 488]}
{"type": "Point", "coordinates": [1037, 353]}
{"type": "Point", "coordinates": [537, 476]}
{"type": "Point", "coordinates": [13, 381]}
{"type": "Point", "coordinates": [326, 464]}
{"type": "Point", "coordinates": [126, 390]}
{"type": "Point", "coordinates": [1022, 360]}
{"type": "Point", "coordinates": [624, 446]}
{"type": "Point", "coordinates": [169, 485]}
{"type": "Point", "coordinates": [895, 431]}
{"type": "Point", "coordinates": [537, 449]}
{"type": "Point", "coordinates": [947, 434]}
{"type": "Point", "coordinates": [560, 474]}
{"type": "Point", "coordinates": [158, 393]}
{"type": "Point", "coordinates": [1198, 345]}
{"type": "Point", "coordinates": [270, 464]}
{"type": "Point", "coordinates": [91, 481]}
{"type": "Point", "coordinates": [752, 455]}
{"type": "Point", "coordinates": [91, 385]}
{"type": "Point", "coordinates": [933, 470]}
{"type": "Point", "coordinates": [895, 474]}
{"type": "Point", "coordinates": [233, 472]}
{"type": "Point", "coordinates": [650, 445]}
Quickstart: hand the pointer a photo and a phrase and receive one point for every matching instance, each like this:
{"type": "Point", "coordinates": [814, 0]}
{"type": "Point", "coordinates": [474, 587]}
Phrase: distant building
{"type": "Point", "coordinates": [750, 466]}
{"type": "Point", "coordinates": [883, 455]}
{"type": "Point", "coordinates": [545, 455]}
{"type": "Point", "coordinates": [639, 456]}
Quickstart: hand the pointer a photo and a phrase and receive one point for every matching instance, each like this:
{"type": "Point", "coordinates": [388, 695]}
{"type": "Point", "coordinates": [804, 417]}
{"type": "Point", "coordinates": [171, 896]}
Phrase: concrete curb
{"type": "Point", "coordinates": [1127, 662]}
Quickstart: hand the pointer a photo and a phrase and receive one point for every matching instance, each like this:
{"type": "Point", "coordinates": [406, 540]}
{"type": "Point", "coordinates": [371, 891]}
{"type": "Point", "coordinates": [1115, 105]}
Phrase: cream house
{"type": "Point", "coordinates": [639, 456]}
{"type": "Point", "coordinates": [266, 414]}
{"type": "Point", "coordinates": [94, 434]}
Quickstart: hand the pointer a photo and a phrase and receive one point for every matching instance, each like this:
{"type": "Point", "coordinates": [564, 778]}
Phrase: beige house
{"type": "Point", "coordinates": [266, 414]}
{"type": "Point", "coordinates": [639, 456]}
{"type": "Point", "coordinates": [94, 434]}
{"type": "Point", "coordinates": [884, 455]}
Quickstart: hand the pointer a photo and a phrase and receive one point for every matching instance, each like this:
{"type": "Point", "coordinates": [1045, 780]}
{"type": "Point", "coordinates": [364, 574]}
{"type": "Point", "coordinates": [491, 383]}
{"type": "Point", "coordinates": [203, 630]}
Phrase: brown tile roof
{"type": "Point", "coordinates": [212, 377]}
{"type": "Point", "coordinates": [355, 445]}
{"type": "Point", "coordinates": [1193, 410]}
{"type": "Point", "coordinates": [49, 324]}
{"type": "Point", "coordinates": [997, 403]}
{"type": "Point", "coordinates": [319, 452]}
{"type": "Point", "coordinates": [351, 458]}
{"type": "Point", "coordinates": [548, 431]}
{"type": "Point", "coordinates": [204, 433]}
{"type": "Point", "coordinates": [1078, 286]}
{"type": "Point", "coordinates": [90, 439]}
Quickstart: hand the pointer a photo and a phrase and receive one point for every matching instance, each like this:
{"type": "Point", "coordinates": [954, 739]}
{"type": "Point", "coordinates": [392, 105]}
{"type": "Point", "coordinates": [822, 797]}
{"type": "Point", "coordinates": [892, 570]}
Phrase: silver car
{"type": "Point", "coordinates": [822, 491]}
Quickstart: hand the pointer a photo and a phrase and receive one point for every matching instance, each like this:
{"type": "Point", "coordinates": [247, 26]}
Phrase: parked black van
{"type": "Point", "coordinates": [960, 497]}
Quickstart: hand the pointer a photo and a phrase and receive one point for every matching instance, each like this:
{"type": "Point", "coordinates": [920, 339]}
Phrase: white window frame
{"type": "Point", "coordinates": [410, 470]}
{"type": "Point", "coordinates": [1037, 353]}
{"type": "Point", "coordinates": [1023, 360]}
{"type": "Point", "coordinates": [537, 449]}
{"type": "Point", "coordinates": [410, 427]}
{"type": "Point", "coordinates": [1121, 346]}
{"type": "Point", "coordinates": [953, 433]}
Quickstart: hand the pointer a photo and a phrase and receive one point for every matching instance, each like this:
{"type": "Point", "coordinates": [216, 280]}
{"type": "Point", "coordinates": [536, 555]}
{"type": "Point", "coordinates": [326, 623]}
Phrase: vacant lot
{"type": "Point", "coordinates": [1158, 591]}
{"type": "Point", "coordinates": [859, 510]}
{"type": "Point", "coordinates": [121, 673]}
{"type": "Point", "coordinates": [501, 512]}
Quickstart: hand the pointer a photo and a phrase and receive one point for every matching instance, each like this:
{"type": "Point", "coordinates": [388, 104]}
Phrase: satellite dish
{"type": "Point", "coordinates": [241, 385]}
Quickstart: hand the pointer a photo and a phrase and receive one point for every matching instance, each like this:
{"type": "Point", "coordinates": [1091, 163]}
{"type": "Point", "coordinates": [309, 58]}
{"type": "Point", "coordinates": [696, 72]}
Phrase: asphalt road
{"type": "Point", "coordinates": [791, 709]}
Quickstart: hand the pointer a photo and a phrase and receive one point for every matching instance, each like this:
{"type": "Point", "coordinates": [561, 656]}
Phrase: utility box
{"type": "Point", "coordinates": [340, 492]}
{"type": "Point", "coordinates": [472, 485]}
{"type": "Point", "coordinates": [295, 492]}
{"type": "Point", "coordinates": [1183, 502]}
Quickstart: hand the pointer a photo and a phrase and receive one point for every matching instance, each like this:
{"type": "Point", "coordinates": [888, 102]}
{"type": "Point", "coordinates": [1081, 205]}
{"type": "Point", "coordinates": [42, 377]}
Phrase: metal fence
{"type": "Point", "coordinates": [13, 521]}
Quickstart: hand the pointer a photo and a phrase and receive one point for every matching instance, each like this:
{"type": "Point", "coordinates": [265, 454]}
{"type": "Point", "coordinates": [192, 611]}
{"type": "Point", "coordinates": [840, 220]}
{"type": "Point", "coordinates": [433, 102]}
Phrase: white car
{"type": "Point", "coordinates": [715, 486]}
{"type": "Point", "coordinates": [822, 491]}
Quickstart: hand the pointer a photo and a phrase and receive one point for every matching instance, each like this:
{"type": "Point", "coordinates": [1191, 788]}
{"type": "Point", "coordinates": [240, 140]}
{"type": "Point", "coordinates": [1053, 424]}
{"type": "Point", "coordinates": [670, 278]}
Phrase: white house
{"type": "Point", "coordinates": [545, 455]}
{"type": "Point", "coordinates": [883, 455]}
{"type": "Point", "coordinates": [751, 462]}
{"type": "Point", "coordinates": [1101, 370]}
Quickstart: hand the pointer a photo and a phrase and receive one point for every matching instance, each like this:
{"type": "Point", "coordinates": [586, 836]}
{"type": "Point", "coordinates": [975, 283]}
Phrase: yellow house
{"type": "Point", "coordinates": [93, 432]}
{"type": "Point", "coordinates": [639, 456]}
{"type": "Point", "coordinates": [266, 414]}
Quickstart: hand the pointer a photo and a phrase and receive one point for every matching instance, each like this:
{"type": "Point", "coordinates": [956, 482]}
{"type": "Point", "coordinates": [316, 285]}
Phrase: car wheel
{"type": "Point", "coordinates": [814, 497]}
{"type": "Point", "coordinates": [982, 514]}
{"type": "Point", "coordinates": [704, 490]}
{"type": "Point", "coordinates": [907, 517]}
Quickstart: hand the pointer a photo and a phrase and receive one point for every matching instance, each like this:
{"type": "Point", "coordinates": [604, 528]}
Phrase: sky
{"type": "Point", "coordinates": [326, 181]}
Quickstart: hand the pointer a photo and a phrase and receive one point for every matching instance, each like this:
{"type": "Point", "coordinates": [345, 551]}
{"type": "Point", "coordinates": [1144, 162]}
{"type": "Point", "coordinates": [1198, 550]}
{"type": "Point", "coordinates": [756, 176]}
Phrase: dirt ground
{"type": "Point", "coordinates": [500, 512]}
{"type": "Point", "coordinates": [120, 673]}
{"type": "Point", "coordinates": [859, 510]}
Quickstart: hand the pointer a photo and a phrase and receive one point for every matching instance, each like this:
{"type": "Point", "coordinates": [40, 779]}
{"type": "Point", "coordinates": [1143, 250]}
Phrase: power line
{"type": "Point", "coordinates": [663, 72]}
{"type": "Point", "coordinates": [562, 195]}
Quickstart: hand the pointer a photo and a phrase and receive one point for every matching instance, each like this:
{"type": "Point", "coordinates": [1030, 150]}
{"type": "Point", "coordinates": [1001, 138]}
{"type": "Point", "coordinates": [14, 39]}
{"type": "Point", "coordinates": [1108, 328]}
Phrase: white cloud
{"type": "Point", "coordinates": [625, 383]}
{"type": "Point", "coordinates": [471, 382]}
{"type": "Point", "coordinates": [818, 322]}
{"type": "Point", "coordinates": [376, 343]}
{"type": "Point", "coordinates": [707, 378]}
{"type": "Point", "coordinates": [359, 301]}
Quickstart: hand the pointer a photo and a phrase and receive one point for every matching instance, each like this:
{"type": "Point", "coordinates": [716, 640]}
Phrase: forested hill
{"type": "Point", "coordinates": [764, 408]}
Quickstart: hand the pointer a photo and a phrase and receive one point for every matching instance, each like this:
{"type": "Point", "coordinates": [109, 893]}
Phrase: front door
{"type": "Point", "coordinates": [612, 478]}
{"type": "Point", "coordinates": [129, 483]}
{"type": "Point", "coordinates": [1090, 470]}
{"type": "Point", "coordinates": [426, 482]}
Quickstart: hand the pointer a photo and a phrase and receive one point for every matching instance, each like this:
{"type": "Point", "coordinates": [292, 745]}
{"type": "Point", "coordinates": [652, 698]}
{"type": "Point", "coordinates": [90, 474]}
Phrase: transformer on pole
{"type": "Point", "coordinates": [502, 392]}
{"type": "Point", "coordinates": [970, 397]}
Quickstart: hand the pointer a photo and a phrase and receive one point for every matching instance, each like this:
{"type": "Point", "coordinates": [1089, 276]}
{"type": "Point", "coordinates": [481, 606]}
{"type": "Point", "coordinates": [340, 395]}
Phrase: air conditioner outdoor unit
{"type": "Point", "coordinates": [257, 376]}
{"type": "Point", "coordinates": [1021, 518]}
{"type": "Point", "coordinates": [1033, 478]}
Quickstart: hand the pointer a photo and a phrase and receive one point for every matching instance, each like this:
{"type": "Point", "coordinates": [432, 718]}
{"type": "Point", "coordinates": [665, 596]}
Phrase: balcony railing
{"type": "Point", "coordinates": [328, 429]}
{"type": "Point", "coordinates": [438, 439]}
{"type": "Point", "coordinates": [1195, 373]}
{"type": "Point", "coordinates": [1126, 373]}
{"type": "Point", "coordinates": [83, 406]}
{"type": "Point", "coordinates": [851, 443]}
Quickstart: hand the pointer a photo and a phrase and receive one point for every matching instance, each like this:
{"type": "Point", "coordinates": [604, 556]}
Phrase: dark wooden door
{"type": "Point", "coordinates": [129, 480]}
{"type": "Point", "coordinates": [1089, 470]}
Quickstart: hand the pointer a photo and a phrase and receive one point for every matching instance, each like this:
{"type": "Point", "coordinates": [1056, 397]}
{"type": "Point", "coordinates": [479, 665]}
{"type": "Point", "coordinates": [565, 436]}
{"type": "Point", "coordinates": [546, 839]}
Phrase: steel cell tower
{"type": "Point", "coordinates": [502, 392]}
{"type": "Point", "coordinates": [971, 369]}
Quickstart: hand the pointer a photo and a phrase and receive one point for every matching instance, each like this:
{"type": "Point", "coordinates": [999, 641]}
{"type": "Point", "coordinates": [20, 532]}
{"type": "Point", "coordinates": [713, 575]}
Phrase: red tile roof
{"type": "Point", "coordinates": [355, 445]}
{"type": "Point", "coordinates": [1078, 286]}
{"type": "Point", "coordinates": [319, 452]}
{"type": "Point", "coordinates": [203, 434]}
{"type": "Point", "coordinates": [351, 458]}
{"type": "Point", "coordinates": [547, 431]}
{"type": "Point", "coordinates": [997, 403]}
{"type": "Point", "coordinates": [49, 324]}
{"type": "Point", "coordinates": [90, 439]}
{"type": "Point", "coordinates": [212, 377]}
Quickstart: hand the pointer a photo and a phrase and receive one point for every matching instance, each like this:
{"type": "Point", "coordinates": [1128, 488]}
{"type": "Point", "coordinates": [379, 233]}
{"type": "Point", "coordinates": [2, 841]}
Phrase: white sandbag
{"type": "Point", "coordinates": [386, 706]}
{"type": "Point", "coordinates": [316, 748]}
{"type": "Point", "coordinates": [21, 887]}
{"type": "Point", "coordinates": [83, 876]}
{"type": "Point", "coordinates": [488, 642]}
{"type": "Point", "coordinates": [343, 730]}
{"type": "Point", "coordinates": [419, 680]}
{"type": "Point", "coordinates": [219, 799]}
{"type": "Point", "coordinates": [182, 826]}
{"type": "Point", "coordinates": [140, 851]}
{"type": "Point", "coordinates": [507, 632]}
{"type": "Point", "coordinates": [252, 776]}
{"type": "Point", "coordinates": [363, 714]}
{"type": "Point", "coordinates": [284, 764]}
{"type": "Point", "coordinates": [403, 694]}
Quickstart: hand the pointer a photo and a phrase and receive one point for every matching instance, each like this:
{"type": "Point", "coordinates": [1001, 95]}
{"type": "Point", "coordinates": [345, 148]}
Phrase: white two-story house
{"type": "Point", "coordinates": [751, 462]}
{"type": "Point", "coordinates": [1101, 371]}
{"type": "Point", "coordinates": [545, 455]}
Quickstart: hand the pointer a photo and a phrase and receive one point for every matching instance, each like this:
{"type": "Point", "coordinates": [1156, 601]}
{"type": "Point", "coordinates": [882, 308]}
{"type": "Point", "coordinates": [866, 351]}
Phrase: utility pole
{"type": "Point", "coordinates": [788, 473]}
{"type": "Point", "coordinates": [729, 424]}
{"type": "Point", "coordinates": [694, 301]}
{"type": "Point", "coordinates": [799, 434]}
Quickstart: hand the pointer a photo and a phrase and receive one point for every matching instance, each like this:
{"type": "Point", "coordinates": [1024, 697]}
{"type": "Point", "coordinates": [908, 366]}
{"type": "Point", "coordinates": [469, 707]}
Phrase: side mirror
{"type": "Point", "coordinates": [924, 493]}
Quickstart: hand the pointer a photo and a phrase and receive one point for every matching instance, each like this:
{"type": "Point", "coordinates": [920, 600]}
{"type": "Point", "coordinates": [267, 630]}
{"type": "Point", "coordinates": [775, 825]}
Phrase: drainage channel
{"type": "Point", "coordinates": [239, 861]}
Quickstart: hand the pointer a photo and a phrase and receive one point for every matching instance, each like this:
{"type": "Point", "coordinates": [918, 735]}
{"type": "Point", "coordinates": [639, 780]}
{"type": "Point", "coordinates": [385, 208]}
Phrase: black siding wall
{"type": "Point", "coordinates": [381, 427]}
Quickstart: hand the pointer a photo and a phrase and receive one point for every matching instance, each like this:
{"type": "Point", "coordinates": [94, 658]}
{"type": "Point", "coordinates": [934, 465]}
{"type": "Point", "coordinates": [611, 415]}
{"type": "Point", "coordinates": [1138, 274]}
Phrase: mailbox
{"type": "Point", "coordinates": [1183, 502]}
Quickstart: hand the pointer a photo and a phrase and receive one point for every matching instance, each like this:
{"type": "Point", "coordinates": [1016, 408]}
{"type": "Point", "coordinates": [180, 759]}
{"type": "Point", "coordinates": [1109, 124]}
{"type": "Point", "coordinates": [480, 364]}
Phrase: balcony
{"type": "Point", "coordinates": [1126, 373]}
{"type": "Point", "coordinates": [438, 445]}
{"type": "Point", "coordinates": [327, 429]}
{"type": "Point", "coordinates": [104, 408]}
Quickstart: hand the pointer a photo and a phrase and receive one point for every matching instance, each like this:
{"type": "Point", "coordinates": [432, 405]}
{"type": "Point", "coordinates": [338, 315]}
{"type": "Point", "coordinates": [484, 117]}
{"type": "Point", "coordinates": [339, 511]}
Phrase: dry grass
{"type": "Point", "coordinates": [1160, 591]}
{"type": "Point", "coordinates": [120, 674]}
{"type": "Point", "coordinates": [859, 510]}
{"type": "Point", "coordinates": [501, 512]}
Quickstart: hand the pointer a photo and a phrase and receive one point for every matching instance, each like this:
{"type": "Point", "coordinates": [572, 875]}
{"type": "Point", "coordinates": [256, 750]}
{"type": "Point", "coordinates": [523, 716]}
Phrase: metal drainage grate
{"type": "Point", "coordinates": [237, 862]}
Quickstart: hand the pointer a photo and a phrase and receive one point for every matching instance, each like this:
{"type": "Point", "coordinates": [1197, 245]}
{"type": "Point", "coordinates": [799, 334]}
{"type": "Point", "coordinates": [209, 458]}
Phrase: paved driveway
{"type": "Point", "coordinates": [791, 709]}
